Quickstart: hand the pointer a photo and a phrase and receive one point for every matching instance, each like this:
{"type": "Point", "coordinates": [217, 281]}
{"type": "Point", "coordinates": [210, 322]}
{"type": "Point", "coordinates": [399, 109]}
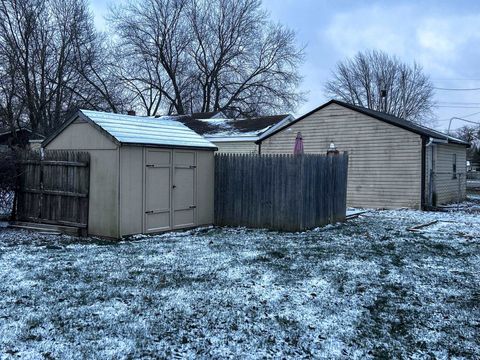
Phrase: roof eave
{"type": "Point", "coordinates": [166, 146]}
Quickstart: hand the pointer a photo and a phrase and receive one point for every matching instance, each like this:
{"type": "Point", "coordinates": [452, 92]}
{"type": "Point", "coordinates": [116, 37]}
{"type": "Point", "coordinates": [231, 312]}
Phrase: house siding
{"type": "Point", "coordinates": [237, 147]}
{"type": "Point", "coordinates": [385, 161]}
{"type": "Point", "coordinates": [447, 188]}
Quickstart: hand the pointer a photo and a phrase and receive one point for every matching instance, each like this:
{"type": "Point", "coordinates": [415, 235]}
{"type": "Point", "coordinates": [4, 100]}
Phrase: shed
{"type": "Point", "coordinates": [392, 162]}
{"type": "Point", "coordinates": [147, 174]}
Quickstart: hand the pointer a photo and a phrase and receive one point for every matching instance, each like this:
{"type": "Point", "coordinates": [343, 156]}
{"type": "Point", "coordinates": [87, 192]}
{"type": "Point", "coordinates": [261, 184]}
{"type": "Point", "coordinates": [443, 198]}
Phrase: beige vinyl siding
{"type": "Point", "coordinates": [447, 188]}
{"type": "Point", "coordinates": [236, 147]}
{"type": "Point", "coordinates": [104, 174]}
{"type": "Point", "coordinates": [384, 160]}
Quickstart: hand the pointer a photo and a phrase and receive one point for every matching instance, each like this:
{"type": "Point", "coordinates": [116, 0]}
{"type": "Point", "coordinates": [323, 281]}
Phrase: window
{"type": "Point", "coordinates": [454, 166]}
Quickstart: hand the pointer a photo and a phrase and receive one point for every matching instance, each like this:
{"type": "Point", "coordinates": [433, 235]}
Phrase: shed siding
{"type": "Point", "coordinates": [104, 174]}
{"type": "Point", "coordinates": [384, 160]}
{"type": "Point", "coordinates": [131, 190]}
{"type": "Point", "coordinates": [237, 147]}
{"type": "Point", "coordinates": [447, 188]}
{"type": "Point", "coordinates": [205, 187]}
{"type": "Point", "coordinates": [81, 135]}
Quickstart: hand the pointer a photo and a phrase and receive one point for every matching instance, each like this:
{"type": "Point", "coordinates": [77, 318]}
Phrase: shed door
{"type": "Point", "coordinates": [158, 165]}
{"type": "Point", "coordinates": [184, 204]}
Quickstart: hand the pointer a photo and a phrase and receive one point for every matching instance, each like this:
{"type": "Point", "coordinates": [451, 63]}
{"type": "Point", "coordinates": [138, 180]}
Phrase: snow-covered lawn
{"type": "Point", "coordinates": [368, 288]}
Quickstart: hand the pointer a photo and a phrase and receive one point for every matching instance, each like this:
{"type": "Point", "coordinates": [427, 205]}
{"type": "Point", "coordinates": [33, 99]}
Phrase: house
{"type": "Point", "coordinates": [208, 115]}
{"type": "Point", "coordinates": [23, 138]}
{"type": "Point", "coordinates": [147, 175]}
{"type": "Point", "coordinates": [234, 135]}
{"type": "Point", "coordinates": [392, 162]}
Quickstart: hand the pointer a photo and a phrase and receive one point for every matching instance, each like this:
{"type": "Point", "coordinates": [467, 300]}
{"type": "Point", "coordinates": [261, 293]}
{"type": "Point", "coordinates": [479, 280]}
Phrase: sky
{"type": "Point", "coordinates": [442, 36]}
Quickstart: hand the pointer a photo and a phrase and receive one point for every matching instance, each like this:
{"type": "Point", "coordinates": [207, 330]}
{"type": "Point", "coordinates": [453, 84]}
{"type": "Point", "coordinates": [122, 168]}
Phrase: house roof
{"type": "Point", "coordinates": [164, 131]}
{"type": "Point", "coordinates": [217, 127]}
{"type": "Point", "coordinates": [390, 119]}
{"type": "Point", "coordinates": [206, 115]}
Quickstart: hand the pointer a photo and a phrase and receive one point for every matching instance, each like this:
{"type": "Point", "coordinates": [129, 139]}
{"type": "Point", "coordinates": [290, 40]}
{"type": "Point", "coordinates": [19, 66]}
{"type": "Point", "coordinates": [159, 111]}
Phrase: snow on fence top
{"type": "Point", "coordinates": [164, 130]}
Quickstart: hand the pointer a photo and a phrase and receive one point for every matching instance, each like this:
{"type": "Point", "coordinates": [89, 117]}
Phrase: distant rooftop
{"type": "Point", "coordinates": [218, 127]}
{"type": "Point", "coordinates": [208, 115]}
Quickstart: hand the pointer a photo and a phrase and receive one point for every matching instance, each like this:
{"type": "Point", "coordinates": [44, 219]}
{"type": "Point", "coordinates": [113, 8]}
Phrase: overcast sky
{"type": "Point", "coordinates": [442, 36]}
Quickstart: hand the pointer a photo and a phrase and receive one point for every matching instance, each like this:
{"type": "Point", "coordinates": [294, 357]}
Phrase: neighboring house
{"type": "Point", "coordinates": [146, 175]}
{"type": "Point", "coordinates": [234, 135]}
{"type": "Point", "coordinates": [390, 159]}
{"type": "Point", "coordinates": [473, 166]}
{"type": "Point", "coordinates": [208, 115]}
{"type": "Point", "coordinates": [19, 137]}
{"type": "Point", "coordinates": [473, 157]}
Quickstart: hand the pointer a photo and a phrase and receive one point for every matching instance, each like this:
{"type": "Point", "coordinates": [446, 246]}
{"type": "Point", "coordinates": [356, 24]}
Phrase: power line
{"type": "Point", "coordinates": [457, 103]}
{"type": "Point", "coordinates": [457, 106]}
{"type": "Point", "coordinates": [455, 79]}
{"type": "Point", "coordinates": [463, 116]}
{"type": "Point", "coordinates": [456, 89]}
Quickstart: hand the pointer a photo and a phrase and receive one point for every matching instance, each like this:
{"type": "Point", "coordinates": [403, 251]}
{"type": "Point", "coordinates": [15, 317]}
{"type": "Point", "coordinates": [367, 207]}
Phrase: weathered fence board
{"type": "Point", "coordinates": [53, 189]}
{"type": "Point", "coordinates": [282, 192]}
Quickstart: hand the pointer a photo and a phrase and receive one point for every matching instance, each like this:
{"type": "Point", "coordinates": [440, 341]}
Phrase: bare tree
{"type": "Point", "coordinates": [199, 55]}
{"type": "Point", "coordinates": [155, 32]}
{"type": "Point", "coordinates": [54, 63]}
{"type": "Point", "coordinates": [470, 134]}
{"type": "Point", "coordinates": [377, 81]}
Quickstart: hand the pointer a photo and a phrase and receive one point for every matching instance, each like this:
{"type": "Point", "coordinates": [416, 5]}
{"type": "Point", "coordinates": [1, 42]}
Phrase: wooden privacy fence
{"type": "Point", "coordinates": [53, 189]}
{"type": "Point", "coordinates": [281, 192]}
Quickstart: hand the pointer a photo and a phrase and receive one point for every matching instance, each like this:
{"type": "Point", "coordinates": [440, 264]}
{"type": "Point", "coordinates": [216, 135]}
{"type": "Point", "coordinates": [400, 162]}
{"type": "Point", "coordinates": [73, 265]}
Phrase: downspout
{"type": "Point", "coordinates": [423, 178]}
{"type": "Point", "coordinates": [430, 177]}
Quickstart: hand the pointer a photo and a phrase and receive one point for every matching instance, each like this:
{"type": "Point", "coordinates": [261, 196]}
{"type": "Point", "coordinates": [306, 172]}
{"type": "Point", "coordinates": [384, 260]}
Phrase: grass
{"type": "Point", "coordinates": [364, 289]}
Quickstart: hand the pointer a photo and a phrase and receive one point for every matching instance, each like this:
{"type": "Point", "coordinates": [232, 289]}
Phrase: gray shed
{"type": "Point", "coordinates": [147, 175]}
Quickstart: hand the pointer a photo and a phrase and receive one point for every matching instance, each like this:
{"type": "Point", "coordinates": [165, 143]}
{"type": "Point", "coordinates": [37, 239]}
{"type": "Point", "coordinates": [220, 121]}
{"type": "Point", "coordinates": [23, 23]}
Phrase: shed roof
{"type": "Point", "coordinates": [141, 130]}
{"type": "Point", "coordinates": [393, 120]}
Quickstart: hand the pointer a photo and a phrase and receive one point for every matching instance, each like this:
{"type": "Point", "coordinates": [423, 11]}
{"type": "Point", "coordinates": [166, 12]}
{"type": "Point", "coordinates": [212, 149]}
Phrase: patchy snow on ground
{"type": "Point", "coordinates": [368, 288]}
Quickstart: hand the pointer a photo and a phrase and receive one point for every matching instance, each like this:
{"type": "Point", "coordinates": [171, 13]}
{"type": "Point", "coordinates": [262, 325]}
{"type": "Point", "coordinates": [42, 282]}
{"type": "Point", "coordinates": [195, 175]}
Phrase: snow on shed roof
{"type": "Point", "coordinates": [143, 130]}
